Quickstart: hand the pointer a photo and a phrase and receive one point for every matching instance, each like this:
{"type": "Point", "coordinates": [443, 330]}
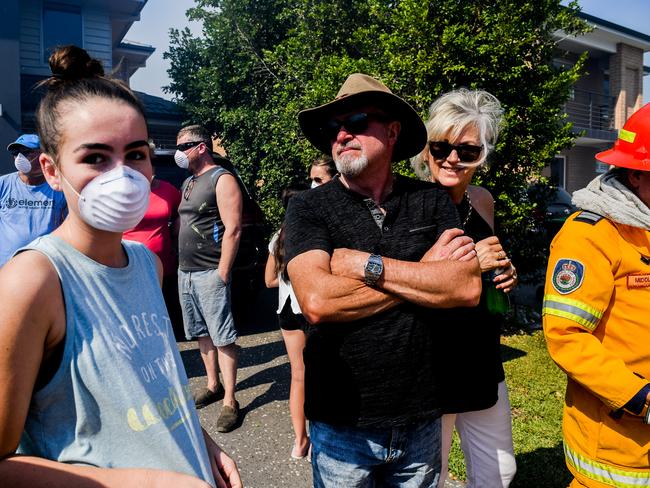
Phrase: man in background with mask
{"type": "Point", "coordinates": [210, 228]}
{"type": "Point", "coordinates": [29, 207]}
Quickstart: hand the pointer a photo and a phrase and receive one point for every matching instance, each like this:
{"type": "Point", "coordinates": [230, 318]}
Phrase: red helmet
{"type": "Point", "coordinates": [632, 148]}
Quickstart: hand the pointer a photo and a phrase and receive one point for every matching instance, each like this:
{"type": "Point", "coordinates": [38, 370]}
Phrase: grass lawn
{"type": "Point", "coordinates": [536, 388]}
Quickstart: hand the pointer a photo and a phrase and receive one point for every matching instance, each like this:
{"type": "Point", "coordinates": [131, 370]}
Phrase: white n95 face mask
{"type": "Point", "coordinates": [182, 159]}
{"type": "Point", "coordinates": [314, 184]}
{"type": "Point", "coordinates": [114, 201]}
{"type": "Point", "coordinates": [23, 164]}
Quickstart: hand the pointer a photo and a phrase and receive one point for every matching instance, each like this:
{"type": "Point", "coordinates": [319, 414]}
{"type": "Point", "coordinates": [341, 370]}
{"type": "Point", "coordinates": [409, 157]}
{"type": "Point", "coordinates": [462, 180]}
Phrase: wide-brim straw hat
{"type": "Point", "coordinates": [362, 90]}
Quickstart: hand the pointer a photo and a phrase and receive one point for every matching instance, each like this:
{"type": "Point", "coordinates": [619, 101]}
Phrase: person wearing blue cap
{"type": "Point", "coordinates": [29, 207]}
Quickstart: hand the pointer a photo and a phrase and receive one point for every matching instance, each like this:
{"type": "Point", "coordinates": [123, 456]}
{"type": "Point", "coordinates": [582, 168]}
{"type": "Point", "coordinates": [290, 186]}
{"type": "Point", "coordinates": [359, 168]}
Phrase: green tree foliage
{"type": "Point", "coordinates": [259, 62]}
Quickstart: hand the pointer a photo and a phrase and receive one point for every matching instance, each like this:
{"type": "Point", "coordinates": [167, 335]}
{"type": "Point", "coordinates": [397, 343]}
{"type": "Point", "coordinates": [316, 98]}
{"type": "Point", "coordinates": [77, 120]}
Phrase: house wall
{"type": "Point", "coordinates": [626, 87]}
{"type": "Point", "coordinates": [96, 35]}
{"type": "Point", "coordinates": [9, 81]}
{"type": "Point", "coordinates": [21, 50]}
{"type": "Point", "coordinates": [626, 81]}
{"type": "Point", "coordinates": [580, 166]}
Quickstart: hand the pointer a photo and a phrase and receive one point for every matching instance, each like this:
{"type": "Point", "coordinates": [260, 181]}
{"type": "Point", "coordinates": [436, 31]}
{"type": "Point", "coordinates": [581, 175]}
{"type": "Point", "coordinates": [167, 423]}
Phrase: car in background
{"type": "Point", "coordinates": [553, 207]}
{"type": "Point", "coordinates": [248, 270]}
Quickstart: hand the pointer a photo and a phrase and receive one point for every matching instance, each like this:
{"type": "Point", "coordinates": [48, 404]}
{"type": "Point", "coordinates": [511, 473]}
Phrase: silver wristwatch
{"type": "Point", "coordinates": [373, 269]}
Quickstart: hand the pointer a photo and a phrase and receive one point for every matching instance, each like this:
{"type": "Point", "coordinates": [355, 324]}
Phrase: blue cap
{"type": "Point", "coordinates": [30, 141]}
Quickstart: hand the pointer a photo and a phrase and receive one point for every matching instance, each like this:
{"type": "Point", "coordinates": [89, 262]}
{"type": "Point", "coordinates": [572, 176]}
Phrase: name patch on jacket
{"type": "Point", "coordinates": [638, 281]}
{"type": "Point", "coordinates": [568, 275]}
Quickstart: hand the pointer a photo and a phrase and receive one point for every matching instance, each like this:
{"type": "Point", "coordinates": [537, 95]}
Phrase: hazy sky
{"type": "Point", "coordinates": [158, 16]}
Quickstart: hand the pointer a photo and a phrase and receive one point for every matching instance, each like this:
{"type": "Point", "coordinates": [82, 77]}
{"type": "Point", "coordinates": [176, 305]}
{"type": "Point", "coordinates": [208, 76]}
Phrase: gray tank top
{"type": "Point", "coordinates": [120, 397]}
{"type": "Point", "coordinates": [201, 228]}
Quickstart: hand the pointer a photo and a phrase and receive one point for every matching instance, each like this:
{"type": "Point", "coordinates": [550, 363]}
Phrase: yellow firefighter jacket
{"type": "Point", "coordinates": [596, 317]}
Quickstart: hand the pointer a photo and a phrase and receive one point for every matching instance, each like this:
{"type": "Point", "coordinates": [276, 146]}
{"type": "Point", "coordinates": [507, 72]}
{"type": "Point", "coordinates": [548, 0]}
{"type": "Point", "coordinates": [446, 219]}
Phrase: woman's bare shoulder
{"type": "Point", "coordinates": [478, 192]}
{"type": "Point", "coordinates": [30, 293]}
{"type": "Point", "coordinates": [27, 270]}
{"type": "Point", "coordinates": [483, 203]}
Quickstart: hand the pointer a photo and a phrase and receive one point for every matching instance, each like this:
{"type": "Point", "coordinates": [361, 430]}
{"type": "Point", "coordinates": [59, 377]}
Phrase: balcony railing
{"type": "Point", "coordinates": [591, 111]}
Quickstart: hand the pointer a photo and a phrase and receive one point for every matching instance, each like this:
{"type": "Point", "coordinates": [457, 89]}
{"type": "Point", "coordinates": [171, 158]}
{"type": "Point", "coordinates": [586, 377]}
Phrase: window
{"type": "Point", "coordinates": [606, 83]}
{"type": "Point", "coordinates": [558, 171]}
{"type": "Point", "coordinates": [61, 25]}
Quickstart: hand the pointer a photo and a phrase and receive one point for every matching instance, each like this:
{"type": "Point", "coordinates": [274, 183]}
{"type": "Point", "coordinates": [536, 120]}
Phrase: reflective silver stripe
{"type": "Point", "coordinates": [572, 311]}
{"type": "Point", "coordinates": [589, 216]}
{"type": "Point", "coordinates": [604, 473]}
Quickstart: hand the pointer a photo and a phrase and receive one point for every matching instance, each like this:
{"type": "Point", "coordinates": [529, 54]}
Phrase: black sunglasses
{"type": "Point", "coordinates": [189, 188]}
{"type": "Point", "coordinates": [467, 153]}
{"type": "Point", "coordinates": [354, 124]}
{"type": "Point", "coordinates": [24, 152]}
{"type": "Point", "coordinates": [187, 145]}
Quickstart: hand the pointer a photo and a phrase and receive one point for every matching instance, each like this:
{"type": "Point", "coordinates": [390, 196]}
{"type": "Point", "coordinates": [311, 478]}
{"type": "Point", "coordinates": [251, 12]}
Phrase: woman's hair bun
{"type": "Point", "coordinates": [73, 63]}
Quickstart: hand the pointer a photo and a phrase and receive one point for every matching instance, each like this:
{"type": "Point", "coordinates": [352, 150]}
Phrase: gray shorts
{"type": "Point", "coordinates": [205, 302]}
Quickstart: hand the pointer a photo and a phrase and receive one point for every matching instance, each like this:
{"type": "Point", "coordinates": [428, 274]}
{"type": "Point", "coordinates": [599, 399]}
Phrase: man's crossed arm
{"type": "Point", "coordinates": [332, 289]}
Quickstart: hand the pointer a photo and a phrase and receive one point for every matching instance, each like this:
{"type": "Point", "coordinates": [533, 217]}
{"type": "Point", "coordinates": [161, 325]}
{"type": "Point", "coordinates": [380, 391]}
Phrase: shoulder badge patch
{"type": "Point", "coordinates": [568, 275]}
{"type": "Point", "coordinates": [588, 217]}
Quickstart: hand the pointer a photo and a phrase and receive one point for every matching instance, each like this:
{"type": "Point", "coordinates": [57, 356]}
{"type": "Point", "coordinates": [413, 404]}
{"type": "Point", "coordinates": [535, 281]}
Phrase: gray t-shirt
{"type": "Point", "coordinates": [120, 397]}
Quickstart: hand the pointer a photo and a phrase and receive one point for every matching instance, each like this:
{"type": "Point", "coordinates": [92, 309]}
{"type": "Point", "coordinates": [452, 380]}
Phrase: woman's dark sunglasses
{"type": "Point", "coordinates": [187, 145]}
{"type": "Point", "coordinates": [354, 124]}
{"type": "Point", "coordinates": [467, 153]}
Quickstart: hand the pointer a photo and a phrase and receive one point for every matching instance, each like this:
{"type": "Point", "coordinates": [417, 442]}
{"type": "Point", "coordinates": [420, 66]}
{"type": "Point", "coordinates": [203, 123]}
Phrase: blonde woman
{"type": "Point", "coordinates": [462, 128]}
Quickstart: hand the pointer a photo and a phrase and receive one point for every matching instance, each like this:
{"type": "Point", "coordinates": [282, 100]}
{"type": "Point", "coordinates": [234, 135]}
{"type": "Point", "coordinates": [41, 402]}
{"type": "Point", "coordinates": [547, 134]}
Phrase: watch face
{"type": "Point", "coordinates": [373, 269]}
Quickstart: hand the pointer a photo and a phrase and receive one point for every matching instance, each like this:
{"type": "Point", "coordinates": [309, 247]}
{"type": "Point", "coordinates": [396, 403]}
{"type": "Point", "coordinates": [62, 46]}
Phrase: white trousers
{"type": "Point", "coordinates": [486, 441]}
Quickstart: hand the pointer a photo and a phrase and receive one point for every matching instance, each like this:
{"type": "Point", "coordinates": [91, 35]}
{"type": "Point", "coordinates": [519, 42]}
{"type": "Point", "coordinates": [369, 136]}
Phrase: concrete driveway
{"type": "Point", "coordinates": [262, 443]}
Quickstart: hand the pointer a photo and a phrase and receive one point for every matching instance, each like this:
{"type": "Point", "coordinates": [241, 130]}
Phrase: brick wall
{"type": "Point", "coordinates": [626, 81]}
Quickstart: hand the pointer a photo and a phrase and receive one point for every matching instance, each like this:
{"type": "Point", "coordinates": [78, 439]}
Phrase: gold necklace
{"type": "Point", "coordinates": [469, 209]}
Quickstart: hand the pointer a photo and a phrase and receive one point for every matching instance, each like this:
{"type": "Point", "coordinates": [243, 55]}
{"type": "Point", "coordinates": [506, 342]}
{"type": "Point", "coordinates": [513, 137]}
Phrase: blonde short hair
{"type": "Point", "coordinates": [453, 112]}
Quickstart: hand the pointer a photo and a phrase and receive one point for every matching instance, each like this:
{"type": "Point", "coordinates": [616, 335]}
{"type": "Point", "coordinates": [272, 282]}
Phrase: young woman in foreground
{"type": "Point", "coordinates": [92, 388]}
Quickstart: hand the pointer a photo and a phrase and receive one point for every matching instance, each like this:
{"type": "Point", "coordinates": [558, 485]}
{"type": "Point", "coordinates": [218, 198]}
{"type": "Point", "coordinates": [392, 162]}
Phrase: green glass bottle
{"type": "Point", "coordinates": [496, 300]}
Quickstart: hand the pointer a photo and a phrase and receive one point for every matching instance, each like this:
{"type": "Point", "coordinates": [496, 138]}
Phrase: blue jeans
{"type": "Point", "coordinates": [205, 303]}
{"type": "Point", "coordinates": [405, 457]}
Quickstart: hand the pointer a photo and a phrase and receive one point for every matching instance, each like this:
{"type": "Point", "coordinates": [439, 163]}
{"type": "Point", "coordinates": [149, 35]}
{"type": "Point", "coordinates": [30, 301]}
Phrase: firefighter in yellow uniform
{"type": "Point", "coordinates": [596, 317]}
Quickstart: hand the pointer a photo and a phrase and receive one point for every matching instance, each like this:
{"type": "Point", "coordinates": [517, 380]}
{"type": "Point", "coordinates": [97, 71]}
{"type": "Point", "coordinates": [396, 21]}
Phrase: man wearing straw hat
{"type": "Point", "coordinates": [371, 256]}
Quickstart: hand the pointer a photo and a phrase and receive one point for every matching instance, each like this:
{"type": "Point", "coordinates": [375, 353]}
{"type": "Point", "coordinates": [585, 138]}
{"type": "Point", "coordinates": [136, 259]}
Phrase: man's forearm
{"type": "Point", "coordinates": [324, 297]}
{"type": "Point", "coordinates": [229, 247]}
{"type": "Point", "coordinates": [339, 299]}
{"type": "Point", "coordinates": [439, 284]}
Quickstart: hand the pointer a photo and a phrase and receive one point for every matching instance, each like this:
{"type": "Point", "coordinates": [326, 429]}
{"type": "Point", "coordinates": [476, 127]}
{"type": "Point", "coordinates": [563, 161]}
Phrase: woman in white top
{"type": "Point", "coordinates": [293, 325]}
